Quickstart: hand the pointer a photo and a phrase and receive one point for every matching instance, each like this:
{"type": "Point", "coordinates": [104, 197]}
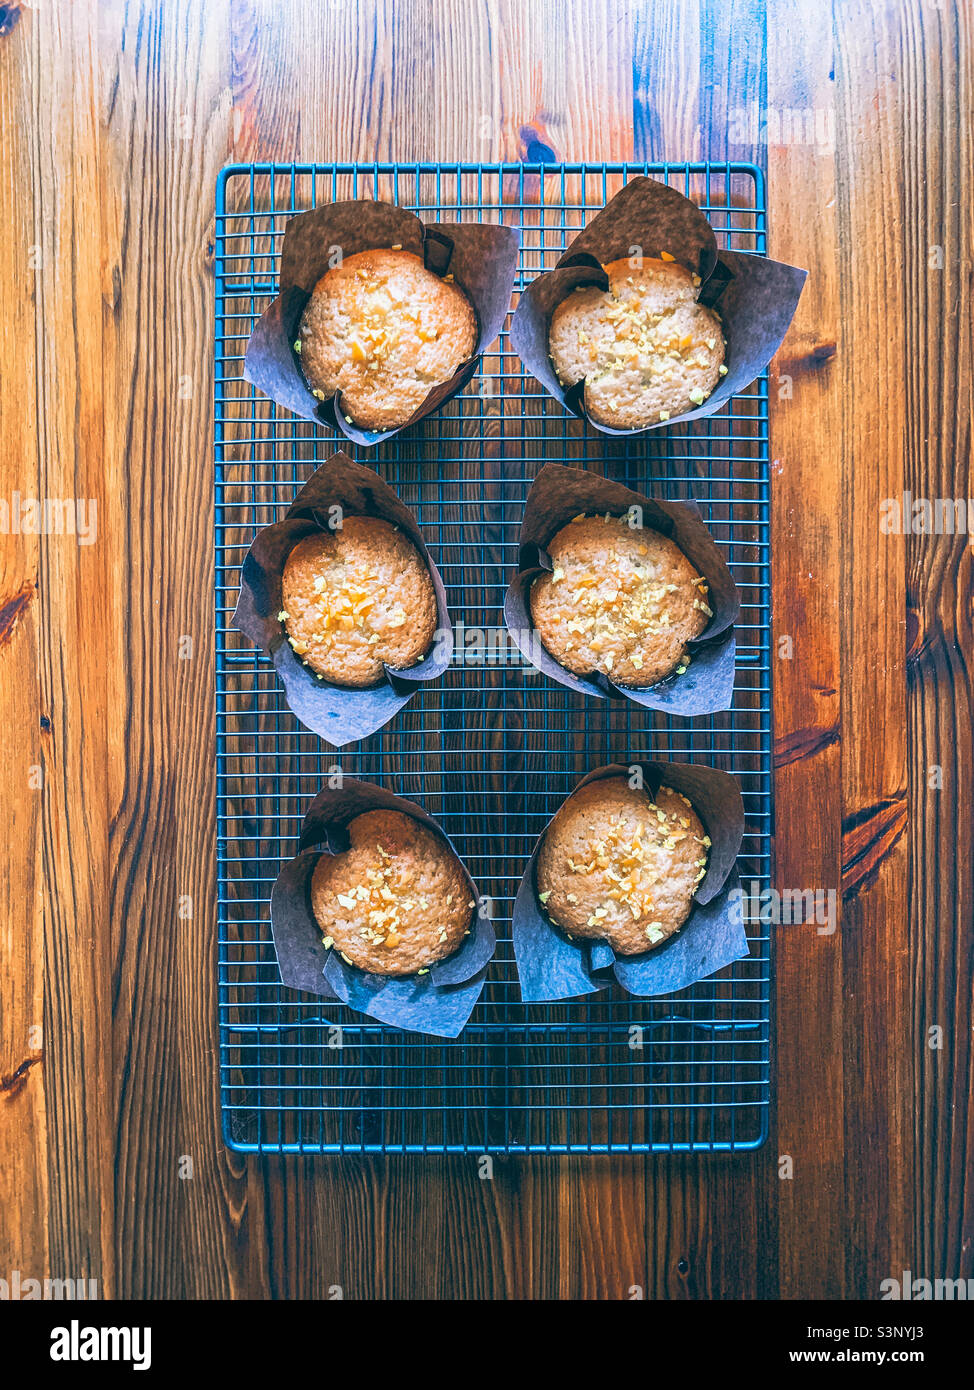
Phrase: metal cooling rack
{"type": "Point", "coordinates": [492, 751]}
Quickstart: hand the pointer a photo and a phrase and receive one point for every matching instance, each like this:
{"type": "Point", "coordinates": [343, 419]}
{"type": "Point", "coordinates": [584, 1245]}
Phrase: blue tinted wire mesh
{"type": "Point", "coordinates": [493, 749]}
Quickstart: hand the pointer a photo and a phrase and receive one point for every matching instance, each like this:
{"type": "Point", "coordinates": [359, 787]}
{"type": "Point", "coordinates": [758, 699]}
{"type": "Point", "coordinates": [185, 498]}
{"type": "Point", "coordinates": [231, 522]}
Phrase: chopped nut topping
{"type": "Point", "coordinates": [612, 622]}
{"type": "Point", "coordinates": [620, 855]}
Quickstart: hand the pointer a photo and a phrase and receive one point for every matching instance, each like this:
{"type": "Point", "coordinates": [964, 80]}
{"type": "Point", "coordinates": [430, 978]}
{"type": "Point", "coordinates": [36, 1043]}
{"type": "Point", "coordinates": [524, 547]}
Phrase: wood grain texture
{"type": "Point", "coordinates": [116, 120]}
{"type": "Point", "coordinates": [934, 50]}
{"type": "Point", "coordinates": [25, 746]}
{"type": "Point", "coordinates": [807, 548]}
{"type": "Point", "coordinates": [74, 621]}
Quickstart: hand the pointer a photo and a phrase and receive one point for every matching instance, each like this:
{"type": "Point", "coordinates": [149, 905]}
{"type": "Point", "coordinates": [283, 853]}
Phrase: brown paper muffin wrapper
{"type": "Point", "coordinates": [550, 965]}
{"type": "Point", "coordinates": [439, 1002]}
{"type": "Point", "coordinates": [338, 714]}
{"type": "Point", "coordinates": [755, 297]}
{"type": "Point", "coordinates": [557, 496]}
{"type": "Point", "coordinates": [481, 257]}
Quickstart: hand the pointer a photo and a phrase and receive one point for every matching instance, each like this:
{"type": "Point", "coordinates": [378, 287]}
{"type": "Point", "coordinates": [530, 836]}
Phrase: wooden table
{"type": "Point", "coordinates": [116, 120]}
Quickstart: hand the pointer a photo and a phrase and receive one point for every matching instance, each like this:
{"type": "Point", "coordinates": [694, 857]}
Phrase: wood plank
{"type": "Point", "coordinates": [25, 745]}
{"type": "Point", "coordinates": [807, 542]}
{"type": "Point", "coordinates": [210, 1206]}
{"type": "Point", "coordinates": [936, 47]}
{"type": "Point", "coordinates": [875, 932]}
{"type": "Point", "coordinates": [75, 625]}
{"type": "Point", "coordinates": [180, 1194]}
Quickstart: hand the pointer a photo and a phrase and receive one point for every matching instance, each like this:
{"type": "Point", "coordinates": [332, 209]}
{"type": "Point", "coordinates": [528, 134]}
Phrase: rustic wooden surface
{"type": "Point", "coordinates": [116, 119]}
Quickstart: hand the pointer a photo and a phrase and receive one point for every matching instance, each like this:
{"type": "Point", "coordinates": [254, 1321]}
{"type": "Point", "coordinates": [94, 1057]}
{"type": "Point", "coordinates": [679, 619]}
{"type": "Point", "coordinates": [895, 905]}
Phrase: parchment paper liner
{"type": "Point", "coordinates": [755, 297]}
{"type": "Point", "coordinates": [339, 714]}
{"type": "Point", "coordinates": [557, 496]}
{"type": "Point", "coordinates": [481, 257]}
{"type": "Point", "coordinates": [550, 966]}
{"type": "Point", "coordinates": [439, 1002]}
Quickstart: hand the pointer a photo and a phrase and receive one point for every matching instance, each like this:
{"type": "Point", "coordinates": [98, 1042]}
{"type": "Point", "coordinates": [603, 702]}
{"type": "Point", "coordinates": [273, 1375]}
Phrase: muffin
{"type": "Point", "coordinates": [382, 330]}
{"type": "Point", "coordinates": [619, 600]}
{"type": "Point", "coordinates": [620, 866]}
{"type": "Point", "coordinates": [396, 900]}
{"type": "Point", "coordinates": [645, 348]}
{"type": "Point", "coordinates": [358, 598]}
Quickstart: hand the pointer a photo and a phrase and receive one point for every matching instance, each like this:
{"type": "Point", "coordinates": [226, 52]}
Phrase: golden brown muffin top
{"type": "Point", "coordinates": [621, 866]}
{"type": "Point", "coordinates": [355, 598]}
{"type": "Point", "coordinates": [396, 900]}
{"type": "Point", "coordinates": [645, 347]}
{"type": "Point", "coordinates": [621, 600]}
{"type": "Point", "coordinates": [381, 330]}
